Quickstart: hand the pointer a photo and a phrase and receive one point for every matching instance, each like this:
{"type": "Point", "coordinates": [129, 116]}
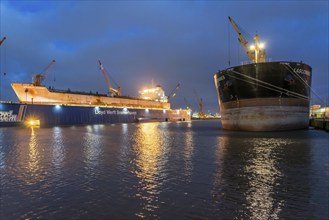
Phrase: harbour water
{"type": "Point", "coordinates": [162, 170]}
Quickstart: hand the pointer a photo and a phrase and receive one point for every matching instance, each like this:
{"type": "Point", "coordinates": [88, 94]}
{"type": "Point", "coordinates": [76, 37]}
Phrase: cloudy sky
{"type": "Point", "coordinates": [168, 42]}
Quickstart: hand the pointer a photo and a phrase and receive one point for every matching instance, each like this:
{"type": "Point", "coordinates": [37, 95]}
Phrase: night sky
{"type": "Point", "coordinates": [169, 42]}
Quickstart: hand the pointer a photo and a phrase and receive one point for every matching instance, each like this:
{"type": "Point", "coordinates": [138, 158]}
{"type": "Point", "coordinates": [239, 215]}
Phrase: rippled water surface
{"type": "Point", "coordinates": [184, 170]}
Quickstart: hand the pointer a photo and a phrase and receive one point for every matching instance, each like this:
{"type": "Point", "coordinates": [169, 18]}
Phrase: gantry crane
{"type": "Point", "coordinates": [112, 91]}
{"type": "Point", "coordinates": [173, 92]}
{"type": "Point", "coordinates": [256, 52]}
{"type": "Point", "coordinates": [3, 39]}
{"type": "Point", "coordinates": [38, 79]}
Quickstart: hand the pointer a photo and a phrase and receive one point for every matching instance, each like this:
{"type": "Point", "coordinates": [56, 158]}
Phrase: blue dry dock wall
{"type": "Point", "coordinates": [9, 112]}
{"type": "Point", "coordinates": [75, 115]}
{"type": "Point", "coordinates": [9, 115]}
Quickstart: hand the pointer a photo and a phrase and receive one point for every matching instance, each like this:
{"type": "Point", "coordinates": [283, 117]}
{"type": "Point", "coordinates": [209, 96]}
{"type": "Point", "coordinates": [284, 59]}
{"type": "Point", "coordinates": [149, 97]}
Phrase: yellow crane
{"type": "Point", "coordinates": [256, 52]}
{"type": "Point", "coordinates": [38, 79]}
{"type": "Point", "coordinates": [112, 91]}
{"type": "Point", "coordinates": [173, 92]}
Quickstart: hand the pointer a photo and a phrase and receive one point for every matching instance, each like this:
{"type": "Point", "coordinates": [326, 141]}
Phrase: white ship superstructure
{"type": "Point", "coordinates": [31, 94]}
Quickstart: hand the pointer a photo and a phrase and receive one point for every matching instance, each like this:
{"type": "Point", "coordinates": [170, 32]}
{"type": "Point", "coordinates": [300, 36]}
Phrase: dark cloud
{"type": "Point", "coordinates": [167, 41]}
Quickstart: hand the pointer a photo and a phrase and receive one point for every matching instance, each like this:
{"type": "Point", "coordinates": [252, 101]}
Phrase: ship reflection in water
{"type": "Point", "coordinates": [162, 170]}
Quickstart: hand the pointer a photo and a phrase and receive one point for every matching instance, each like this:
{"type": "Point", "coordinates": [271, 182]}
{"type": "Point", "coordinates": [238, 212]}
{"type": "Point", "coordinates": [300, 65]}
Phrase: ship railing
{"type": "Point", "coordinates": [245, 62]}
{"type": "Point", "coordinates": [51, 89]}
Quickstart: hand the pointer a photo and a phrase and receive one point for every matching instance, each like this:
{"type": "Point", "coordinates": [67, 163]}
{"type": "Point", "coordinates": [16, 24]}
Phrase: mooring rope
{"type": "Point", "coordinates": [282, 91]}
{"type": "Point", "coordinates": [291, 70]}
{"type": "Point", "coordinates": [268, 86]}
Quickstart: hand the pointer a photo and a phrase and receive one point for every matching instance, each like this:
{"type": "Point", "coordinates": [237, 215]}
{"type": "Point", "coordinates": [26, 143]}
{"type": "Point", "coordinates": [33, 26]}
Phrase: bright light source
{"type": "Point", "coordinates": [125, 109]}
{"type": "Point", "coordinates": [252, 47]}
{"type": "Point", "coordinates": [97, 108]}
{"type": "Point", "coordinates": [57, 107]}
{"type": "Point", "coordinates": [261, 45]}
{"type": "Point", "coordinates": [147, 110]}
{"type": "Point", "coordinates": [164, 111]}
{"type": "Point", "coordinates": [33, 122]}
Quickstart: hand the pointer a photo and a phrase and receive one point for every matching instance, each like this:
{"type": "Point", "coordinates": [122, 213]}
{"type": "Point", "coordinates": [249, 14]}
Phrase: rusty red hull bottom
{"type": "Point", "coordinates": [265, 118]}
{"type": "Point", "coordinates": [270, 114]}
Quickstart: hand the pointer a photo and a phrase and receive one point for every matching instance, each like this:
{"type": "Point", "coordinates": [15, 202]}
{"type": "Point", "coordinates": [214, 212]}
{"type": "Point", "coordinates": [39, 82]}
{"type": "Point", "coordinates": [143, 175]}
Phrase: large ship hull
{"type": "Point", "coordinates": [269, 96]}
{"type": "Point", "coordinates": [48, 107]}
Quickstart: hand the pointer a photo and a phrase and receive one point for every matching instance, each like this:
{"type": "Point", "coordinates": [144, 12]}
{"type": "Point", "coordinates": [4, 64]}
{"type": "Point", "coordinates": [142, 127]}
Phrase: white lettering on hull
{"type": "Point", "coordinates": [113, 112]}
{"type": "Point", "coordinates": [7, 116]}
{"type": "Point", "coordinates": [302, 71]}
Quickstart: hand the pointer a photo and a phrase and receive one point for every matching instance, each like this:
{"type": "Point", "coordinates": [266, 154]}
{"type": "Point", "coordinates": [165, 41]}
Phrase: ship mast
{"type": "Point", "coordinates": [256, 53]}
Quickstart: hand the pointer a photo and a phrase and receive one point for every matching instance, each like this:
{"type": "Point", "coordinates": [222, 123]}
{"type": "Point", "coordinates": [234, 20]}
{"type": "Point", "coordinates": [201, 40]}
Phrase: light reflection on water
{"type": "Point", "coordinates": [150, 163]}
{"type": "Point", "coordinates": [162, 170]}
{"type": "Point", "coordinates": [263, 173]}
{"type": "Point", "coordinates": [33, 157]}
{"type": "Point", "coordinates": [30, 159]}
{"type": "Point", "coordinates": [266, 177]}
{"type": "Point", "coordinates": [188, 153]}
{"type": "Point", "coordinates": [92, 147]}
{"type": "Point", "coordinates": [58, 148]}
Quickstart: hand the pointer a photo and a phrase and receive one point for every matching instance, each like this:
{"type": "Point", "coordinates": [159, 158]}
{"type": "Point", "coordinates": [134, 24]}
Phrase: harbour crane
{"type": "Point", "coordinates": [112, 91]}
{"type": "Point", "coordinates": [201, 114]}
{"type": "Point", "coordinates": [256, 53]}
{"type": "Point", "coordinates": [40, 77]}
{"type": "Point", "coordinates": [3, 39]}
{"type": "Point", "coordinates": [173, 92]}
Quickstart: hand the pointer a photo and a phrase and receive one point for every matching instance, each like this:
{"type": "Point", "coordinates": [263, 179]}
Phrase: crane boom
{"type": "Point", "coordinates": [241, 38]}
{"type": "Point", "coordinates": [3, 39]}
{"type": "Point", "coordinates": [40, 77]}
{"type": "Point", "coordinates": [112, 91]}
{"type": "Point", "coordinates": [256, 52]}
{"type": "Point", "coordinates": [187, 103]}
{"type": "Point", "coordinates": [173, 92]}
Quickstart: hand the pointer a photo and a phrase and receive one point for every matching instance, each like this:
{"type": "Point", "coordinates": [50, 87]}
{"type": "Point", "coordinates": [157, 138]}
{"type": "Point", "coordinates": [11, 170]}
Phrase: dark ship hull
{"type": "Point", "coordinates": [269, 96]}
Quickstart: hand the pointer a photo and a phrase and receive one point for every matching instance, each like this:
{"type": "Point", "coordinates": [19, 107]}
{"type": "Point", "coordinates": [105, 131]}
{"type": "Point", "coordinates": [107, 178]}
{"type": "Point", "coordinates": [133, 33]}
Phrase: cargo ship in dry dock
{"type": "Point", "coordinates": [44, 106]}
{"type": "Point", "coordinates": [263, 96]}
